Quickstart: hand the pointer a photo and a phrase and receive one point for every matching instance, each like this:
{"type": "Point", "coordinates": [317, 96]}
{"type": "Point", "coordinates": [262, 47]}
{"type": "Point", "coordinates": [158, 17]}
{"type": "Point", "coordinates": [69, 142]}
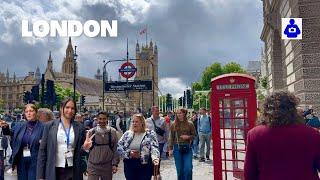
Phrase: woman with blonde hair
{"type": "Point", "coordinates": [181, 135]}
{"type": "Point", "coordinates": [25, 144]}
{"type": "Point", "coordinates": [139, 149]}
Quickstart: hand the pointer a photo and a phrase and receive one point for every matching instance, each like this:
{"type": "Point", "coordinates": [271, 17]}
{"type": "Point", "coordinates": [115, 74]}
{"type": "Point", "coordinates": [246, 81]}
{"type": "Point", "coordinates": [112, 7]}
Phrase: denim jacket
{"type": "Point", "coordinates": [149, 146]}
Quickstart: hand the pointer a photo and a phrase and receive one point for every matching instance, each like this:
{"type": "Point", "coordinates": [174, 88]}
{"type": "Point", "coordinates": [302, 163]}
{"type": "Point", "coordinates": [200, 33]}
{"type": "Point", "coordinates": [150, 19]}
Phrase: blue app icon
{"type": "Point", "coordinates": [292, 30]}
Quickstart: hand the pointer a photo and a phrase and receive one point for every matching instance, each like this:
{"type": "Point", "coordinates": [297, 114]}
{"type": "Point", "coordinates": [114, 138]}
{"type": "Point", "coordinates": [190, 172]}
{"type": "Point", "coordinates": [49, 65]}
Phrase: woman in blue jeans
{"type": "Point", "coordinates": [139, 149]}
{"type": "Point", "coordinates": [181, 135]}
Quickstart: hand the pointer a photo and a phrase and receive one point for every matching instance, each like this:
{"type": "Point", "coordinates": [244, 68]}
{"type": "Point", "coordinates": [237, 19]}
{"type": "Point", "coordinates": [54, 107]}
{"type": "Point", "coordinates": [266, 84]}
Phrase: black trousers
{"type": "Point", "coordinates": [64, 173]}
{"type": "Point", "coordinates": [134, 170]}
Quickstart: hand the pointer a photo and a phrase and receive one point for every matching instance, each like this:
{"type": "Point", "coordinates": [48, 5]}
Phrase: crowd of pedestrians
{"type": "Point", "coordinates": [75, 145]}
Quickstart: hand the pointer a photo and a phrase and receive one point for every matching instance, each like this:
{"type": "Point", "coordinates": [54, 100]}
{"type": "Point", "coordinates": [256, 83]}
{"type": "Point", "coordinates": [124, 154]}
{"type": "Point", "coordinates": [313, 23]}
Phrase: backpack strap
{"type": "Point", "coordinates": [110, 140]}
{"type": "Point", "coordinates": [93, 141]}
{"type": "Point", "coordinates": [110, 144]}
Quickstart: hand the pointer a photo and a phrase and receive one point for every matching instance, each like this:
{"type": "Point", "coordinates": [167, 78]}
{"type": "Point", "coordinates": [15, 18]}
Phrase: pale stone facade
{"type": "Point", "coordinates": [147, 66]}
{"type": "Point", "coordinates": [293, 65]}
{"type": "Point", "coordinates": [12, 89]}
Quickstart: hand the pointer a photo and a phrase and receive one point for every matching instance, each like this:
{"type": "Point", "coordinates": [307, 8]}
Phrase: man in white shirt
{"type": "Point", "coordinates": [156, 120]}
{"type": "Point", "coordinates": [157, 124]}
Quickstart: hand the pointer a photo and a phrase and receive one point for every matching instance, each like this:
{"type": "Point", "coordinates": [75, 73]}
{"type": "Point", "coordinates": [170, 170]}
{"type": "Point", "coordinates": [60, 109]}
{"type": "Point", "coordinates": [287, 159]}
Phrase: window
{"type": "Point", "coordinates": [291, 78]}
{"type": "Point", "coordinates": [289, 68]}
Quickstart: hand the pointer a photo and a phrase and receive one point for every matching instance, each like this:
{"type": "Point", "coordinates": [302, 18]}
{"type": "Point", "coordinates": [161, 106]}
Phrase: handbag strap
{"type": "Point", "coordinates": [154, 124]}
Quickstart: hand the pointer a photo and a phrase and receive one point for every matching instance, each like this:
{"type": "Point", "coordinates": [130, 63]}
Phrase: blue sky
{"type": "Point", "coordinates": [190, 35]}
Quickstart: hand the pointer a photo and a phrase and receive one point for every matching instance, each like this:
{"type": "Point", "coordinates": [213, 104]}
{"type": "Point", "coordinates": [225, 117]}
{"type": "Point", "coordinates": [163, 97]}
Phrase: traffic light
{"type": "Point", "coordinates": [27, 97]}
{"type": "Point", "coordinates": [180, 101]}
{"type": "Point", "coordinates": [184, 99]}
{"type": "Point", "coordinates": [189, 99]}
{"type": "Point", "coordinates": [50, 93]}
{"type": "Point", "coordinates": [169, 101]}
{"type": "Point", "coordinates": [35, 93]}
{"type": "Point", "coordinates": [82, 100]}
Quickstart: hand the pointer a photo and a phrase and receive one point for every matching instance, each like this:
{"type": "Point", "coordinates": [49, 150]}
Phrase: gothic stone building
{"type": "Point", "coordinates": [89, 87]}
{"type": "Point", "coordinates": [293, 65]}
{"type": "Point", "coordinates": [12, 88]}
{"type": "Point", "coordinates": [92, 88]}
{"type": "Point", "coordinates": [147, 69]}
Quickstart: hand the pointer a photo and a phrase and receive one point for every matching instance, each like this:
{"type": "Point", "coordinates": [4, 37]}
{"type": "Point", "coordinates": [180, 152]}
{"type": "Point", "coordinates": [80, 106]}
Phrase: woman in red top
{"type": "Point", "coordinates": [282, 147]}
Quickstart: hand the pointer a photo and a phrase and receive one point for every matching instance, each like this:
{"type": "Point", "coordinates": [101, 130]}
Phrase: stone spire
{"type": "Point", "coordinates": [7, 75]}
{"type": "Point", "coordinates": [68, 64]}
{"type": "Point", "coordinates": [137, 47]}
{"type": "Point", "coordinates": [38, 76]}
{"type": "Point", "coordinates": [14, 77]}
{"type": "Point", "coordinates": [155, 49]}
{"type": "Point", "coordinates": [50, 63]}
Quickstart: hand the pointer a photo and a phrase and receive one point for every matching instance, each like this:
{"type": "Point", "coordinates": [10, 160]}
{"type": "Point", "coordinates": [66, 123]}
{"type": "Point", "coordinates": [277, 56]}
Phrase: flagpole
{"type": "Point", "coordinates": [146, 35]}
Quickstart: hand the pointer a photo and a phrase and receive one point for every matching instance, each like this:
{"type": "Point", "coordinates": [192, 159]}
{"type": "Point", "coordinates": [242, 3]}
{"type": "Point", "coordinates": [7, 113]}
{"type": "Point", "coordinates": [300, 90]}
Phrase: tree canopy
{"type": "Point", "coordinates": [214, 70]}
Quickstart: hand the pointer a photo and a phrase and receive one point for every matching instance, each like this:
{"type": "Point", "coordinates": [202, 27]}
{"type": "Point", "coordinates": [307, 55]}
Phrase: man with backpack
{"type": "Point", "coordinates": [101, 144]}
{"type": "Point", "coordinates": [204, 130]}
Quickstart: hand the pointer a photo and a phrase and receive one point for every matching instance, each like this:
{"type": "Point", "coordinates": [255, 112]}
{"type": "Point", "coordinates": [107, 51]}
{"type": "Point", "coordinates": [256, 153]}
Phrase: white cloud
{"type": "Point", "coordinates": [172, 85]}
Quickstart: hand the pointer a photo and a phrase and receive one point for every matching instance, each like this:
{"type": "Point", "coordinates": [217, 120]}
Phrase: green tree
{"type": "Point", "coordinates": [196, 86]}
{"type": "Point", "coordinates": [216, 70]}
{"type": "Point", "coordinates": [200, 100]}
{"type": "Point", "coordinates": [210, 72]}
{"type": "Point", "coordinates": [232, 67]}
{"type": "Point", "coordinates": [264, 82]}
{"type": "Point", "coordinates": [62, 93]}
{"type": "Point", "coordinates": [260, 96]}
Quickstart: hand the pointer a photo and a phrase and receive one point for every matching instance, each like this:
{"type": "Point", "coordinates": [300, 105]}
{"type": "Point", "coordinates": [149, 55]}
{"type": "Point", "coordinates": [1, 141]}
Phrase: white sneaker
{"type": "Point", "coordinates": [9, 171]}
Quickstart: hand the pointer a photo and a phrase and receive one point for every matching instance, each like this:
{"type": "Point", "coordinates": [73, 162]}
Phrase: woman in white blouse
{"type": "Point", "coordinates": [60, 148]}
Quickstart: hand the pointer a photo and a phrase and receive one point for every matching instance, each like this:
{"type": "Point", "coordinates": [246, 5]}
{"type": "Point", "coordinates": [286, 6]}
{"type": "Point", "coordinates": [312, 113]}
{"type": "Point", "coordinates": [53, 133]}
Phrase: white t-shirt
{"type": "Point", "coordinates": [62, 146]}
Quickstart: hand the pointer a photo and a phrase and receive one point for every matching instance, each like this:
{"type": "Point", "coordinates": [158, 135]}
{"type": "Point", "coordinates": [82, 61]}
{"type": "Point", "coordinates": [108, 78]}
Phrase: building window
{"type": "Point", "coordinates": [289, 69]}
{"type": "Point", "coordinates": [291, 79]}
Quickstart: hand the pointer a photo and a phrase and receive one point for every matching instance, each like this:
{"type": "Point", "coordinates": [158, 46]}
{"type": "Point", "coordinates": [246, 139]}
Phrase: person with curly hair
{"type": "Point", "coordinates": [282, 146]}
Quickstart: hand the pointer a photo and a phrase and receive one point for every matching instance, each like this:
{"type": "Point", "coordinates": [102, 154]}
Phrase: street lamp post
{"type": "Point", "coordinates": [74, 72]}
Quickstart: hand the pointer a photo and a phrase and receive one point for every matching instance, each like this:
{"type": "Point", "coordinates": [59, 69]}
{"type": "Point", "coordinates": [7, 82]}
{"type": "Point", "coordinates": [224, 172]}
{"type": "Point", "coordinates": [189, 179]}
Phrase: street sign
{"type": "Point", "coordinates": [127, 70]}
{"type": "Point", "coordinates": [128, 86]}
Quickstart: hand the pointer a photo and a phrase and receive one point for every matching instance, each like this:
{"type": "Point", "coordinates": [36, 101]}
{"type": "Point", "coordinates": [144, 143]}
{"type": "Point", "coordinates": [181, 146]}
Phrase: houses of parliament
{"type": "Point", "coordinates": [12, 88]}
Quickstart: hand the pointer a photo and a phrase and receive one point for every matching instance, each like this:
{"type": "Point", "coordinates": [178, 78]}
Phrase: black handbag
{"type": "Point", "coordinates": [158, 130]}
{"type": "Point", "coordinates": [183, 148]}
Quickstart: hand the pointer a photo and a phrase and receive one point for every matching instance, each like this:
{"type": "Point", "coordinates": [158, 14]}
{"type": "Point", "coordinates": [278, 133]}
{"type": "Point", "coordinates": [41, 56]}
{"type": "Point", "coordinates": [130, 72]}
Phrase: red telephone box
{"type": "Point", "coordinates": [234, 111]}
